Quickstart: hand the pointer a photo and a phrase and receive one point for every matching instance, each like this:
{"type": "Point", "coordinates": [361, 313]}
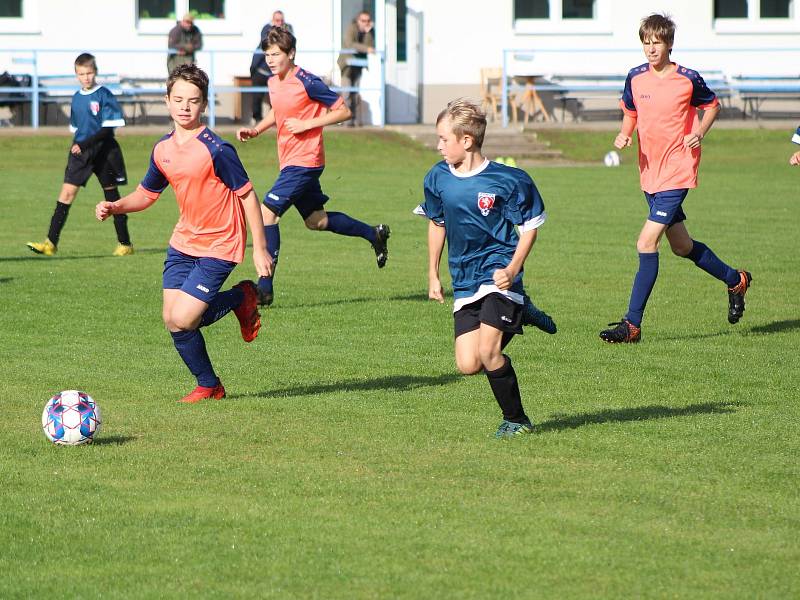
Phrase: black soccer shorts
{"type": "Point", "coordinates": [103, 159]}
{"type": "Point", "coordinates": [495, 310]}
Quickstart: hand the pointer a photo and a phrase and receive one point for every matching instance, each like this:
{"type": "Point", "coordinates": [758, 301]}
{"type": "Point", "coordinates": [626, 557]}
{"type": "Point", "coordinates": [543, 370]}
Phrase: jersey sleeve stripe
{"type": "Point", "coordinates": [113, 123]}
{"type": "Point", "coordinates": [533, 223]}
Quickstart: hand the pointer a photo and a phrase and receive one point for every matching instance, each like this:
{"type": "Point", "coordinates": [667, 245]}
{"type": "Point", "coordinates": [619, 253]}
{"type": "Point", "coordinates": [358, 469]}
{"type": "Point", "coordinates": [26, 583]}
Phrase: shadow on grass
{"type": "Point", "coordinates": [402, 298]}
{"type": "Point", "coordinates": [398, 383]}
{"type": "Point", "coordinates": [6, 279]}
{"type": "Point", "coordinates": [776, 326]}
{"type": "Point", "coordinates": [112, 440]}
{"type": "Point", "coordinates": [59, 257]}
{"type": "Point", "coordinates": [637, 413]}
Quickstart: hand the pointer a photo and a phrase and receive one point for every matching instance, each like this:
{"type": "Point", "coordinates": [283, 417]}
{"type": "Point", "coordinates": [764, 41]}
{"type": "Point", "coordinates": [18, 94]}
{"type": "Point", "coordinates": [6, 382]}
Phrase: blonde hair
{"type": "Point", "coordinates": [658, 27]}
{"type": "Point", "coordinates": [466, 119]}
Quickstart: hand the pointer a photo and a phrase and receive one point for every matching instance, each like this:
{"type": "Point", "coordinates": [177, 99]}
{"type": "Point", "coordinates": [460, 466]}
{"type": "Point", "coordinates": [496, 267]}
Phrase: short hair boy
{"type": "Point", "coordinates": [660, 101]}
{"type": "Point", "coordinates": [301, 106]}
{"type": "Point", "coordinates": [94, 114]}
{"type": "Point", "coordinates": [476, 206]}
{"type": "Point", "coordinates": [215, 198]}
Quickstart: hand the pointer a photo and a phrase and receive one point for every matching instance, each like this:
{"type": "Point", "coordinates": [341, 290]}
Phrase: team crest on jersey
{"type": "Point", "coordinates": [485, 202]}
{"type": "Point", "coordinates": [94, 107]}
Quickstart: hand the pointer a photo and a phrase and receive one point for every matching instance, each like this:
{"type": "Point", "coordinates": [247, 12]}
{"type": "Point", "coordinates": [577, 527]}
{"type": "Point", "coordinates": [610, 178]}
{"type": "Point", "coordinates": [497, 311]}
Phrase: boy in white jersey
{"type": "Point", "coordinates": [476, 206]}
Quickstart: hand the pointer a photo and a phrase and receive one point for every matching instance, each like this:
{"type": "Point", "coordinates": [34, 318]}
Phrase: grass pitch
{"type": "Point", "coordinates": [350, 460]}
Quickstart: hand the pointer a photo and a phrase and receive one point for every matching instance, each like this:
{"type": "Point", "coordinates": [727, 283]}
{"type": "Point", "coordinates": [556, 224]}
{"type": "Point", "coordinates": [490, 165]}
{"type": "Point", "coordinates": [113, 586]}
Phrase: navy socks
{"type": "Point", "coordinates": [702, 256]}
{"type": "Point", "coordinates": [642, 286]}
{"type": "Point", "coordinates": [192, 348]}
{"type": "Point", "coordinates": [223, 303]}
{"type": "Point", "coordinates": [344, 225]}
{"type": "Point", "coordinates": [272, 233]}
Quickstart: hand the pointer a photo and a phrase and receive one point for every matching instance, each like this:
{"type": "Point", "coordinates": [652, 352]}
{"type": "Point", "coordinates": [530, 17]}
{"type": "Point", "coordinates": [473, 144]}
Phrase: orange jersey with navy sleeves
{"type": "Point", "coordinates": [208, 179]}
{"type": "Point", "coordinates": [300, 95]}
{"type": "Point", "coordinates": [666, 110]}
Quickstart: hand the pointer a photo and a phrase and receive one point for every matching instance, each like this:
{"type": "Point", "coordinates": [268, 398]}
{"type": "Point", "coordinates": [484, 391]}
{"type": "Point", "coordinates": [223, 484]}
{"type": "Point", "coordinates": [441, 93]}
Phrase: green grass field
{"type": "Point", "coordinates": [350, 459]}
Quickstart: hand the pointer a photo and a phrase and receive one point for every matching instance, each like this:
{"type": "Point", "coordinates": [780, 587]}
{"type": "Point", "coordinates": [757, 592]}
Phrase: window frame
{"type": "Point", "coordinates": [755, 23]}
{"type": "Point", "coordinates": [230, 24]}
{"type": "Point", "coordinates": [28, 23]}
{"type": "Point", "coordinates": [556, 24]}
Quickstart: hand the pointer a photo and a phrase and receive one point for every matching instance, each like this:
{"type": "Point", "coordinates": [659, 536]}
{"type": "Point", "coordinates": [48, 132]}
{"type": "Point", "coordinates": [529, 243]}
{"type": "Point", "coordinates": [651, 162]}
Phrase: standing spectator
{"type": "Point", "coordinates": [186, 39]}
{"type": "Point", "coordinates": [358, 37]}
{"type": "Point", "coordinates": [259, 72]}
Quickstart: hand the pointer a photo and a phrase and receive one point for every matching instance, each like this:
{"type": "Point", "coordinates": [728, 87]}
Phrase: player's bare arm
{"type": "Point", "coordinates": [245, 133]}
{"type": "Point", "coordinates": [133, 202]}
{"type": "Point", "coordinates": [692, 140]}
{"type": "Point", "coordinates": [252, 213]}
{"type": "Point", "coordinates": [337, 115]}
{"type": "Point", "coordinates": [795, 159]}
{"type": "Point", "coordinates": [503, 278]}
{"type": "Point", "coordinates": [436, 237]}
{"type": "Point", "coordinates": [624, 137]}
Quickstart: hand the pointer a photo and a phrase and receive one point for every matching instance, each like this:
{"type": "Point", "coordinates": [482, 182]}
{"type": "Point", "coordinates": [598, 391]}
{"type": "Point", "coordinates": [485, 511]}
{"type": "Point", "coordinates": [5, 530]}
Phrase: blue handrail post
{"type": "Point", "coordinates": [35, 98]}
{"type": "Point", "coordinates": [383, 90]}
{"type": "Point", "coordinates": [212, 96]}
{"type": "Point", "coordinates": [505, 90]}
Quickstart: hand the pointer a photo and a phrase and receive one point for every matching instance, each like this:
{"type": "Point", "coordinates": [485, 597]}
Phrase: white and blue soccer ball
{"type": "Point", "coordinates": [611, 159]}
{"type": "Point", "coordinates": [71, 418]}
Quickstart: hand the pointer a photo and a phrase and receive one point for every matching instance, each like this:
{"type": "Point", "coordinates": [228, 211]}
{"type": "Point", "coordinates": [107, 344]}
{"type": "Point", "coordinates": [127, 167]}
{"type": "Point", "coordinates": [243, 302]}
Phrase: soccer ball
{"type": "Point", "coordinates": [71, 418]}
{"type": "Point", "coordinates": [611, 159]}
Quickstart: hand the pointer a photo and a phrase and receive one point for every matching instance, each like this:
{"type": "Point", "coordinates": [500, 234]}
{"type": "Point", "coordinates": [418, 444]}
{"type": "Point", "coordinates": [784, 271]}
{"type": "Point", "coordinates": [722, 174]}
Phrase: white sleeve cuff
{"type": "Point", "coordinates": [113, 123]}
{"type": "Point", "coordinates": [796, 138]}
{"type": "Point", "coordinates": [534, 223]}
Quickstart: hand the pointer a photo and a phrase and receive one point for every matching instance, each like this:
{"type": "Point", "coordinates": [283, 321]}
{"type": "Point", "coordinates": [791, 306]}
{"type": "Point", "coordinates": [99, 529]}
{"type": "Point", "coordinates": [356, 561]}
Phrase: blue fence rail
{"type": "Point", "coordinates": [530, 64]}
{"type": "Point", "coordinates": [34, 93]}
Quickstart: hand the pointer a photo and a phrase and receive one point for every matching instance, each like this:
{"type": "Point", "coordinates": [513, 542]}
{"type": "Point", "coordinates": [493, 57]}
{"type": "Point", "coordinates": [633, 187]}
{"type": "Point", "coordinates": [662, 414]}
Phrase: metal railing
{"type": "Point", "coordinates": [37, 91]}
{"type": "Point", "coordinates": [517, 62]}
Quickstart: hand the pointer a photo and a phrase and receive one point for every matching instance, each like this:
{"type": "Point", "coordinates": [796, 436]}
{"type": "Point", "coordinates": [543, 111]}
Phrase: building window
{"type": "Point", "coordinates": [577, 9]}
{"type": "Point", "coordinates": [531, 9]}
{"type": "Point", "coordinates": [11, 9]}
{"type": "Point", "coordinates": [157, 9]}
{"type": "Point", "coordinates": [207, 9]}
{"type": "Point", "coordinates": [174, 9]}
{"type": "Point", "coordinates": [402, 11]}
{"type": "Point", "coordinates": [753, 9]}
{"type": "Point", "coordinates": [776, 9]}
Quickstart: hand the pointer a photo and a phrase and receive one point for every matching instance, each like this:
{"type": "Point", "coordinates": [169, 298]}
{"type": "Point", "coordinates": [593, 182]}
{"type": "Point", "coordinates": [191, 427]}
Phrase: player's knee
{"type": "Point", "coordinates": [468, 365]}
{"type": "Point", "coordinates": [316, 224]}
{"type": "Point", "coordinates": [178, 322]}
{"type": "Point", "coordinates": [681, 250]}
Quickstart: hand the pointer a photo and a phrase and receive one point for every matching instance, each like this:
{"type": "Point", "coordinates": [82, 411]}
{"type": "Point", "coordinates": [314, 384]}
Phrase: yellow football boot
{"type": "Point", "coordinates": [46, 247]}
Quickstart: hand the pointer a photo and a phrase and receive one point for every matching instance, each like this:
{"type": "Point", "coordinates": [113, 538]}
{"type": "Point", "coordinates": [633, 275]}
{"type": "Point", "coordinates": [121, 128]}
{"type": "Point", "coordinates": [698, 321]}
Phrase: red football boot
{"type": "Point", "coordinates": [247, 311]}
{"type": "Point", "coordinates": [204, 393]}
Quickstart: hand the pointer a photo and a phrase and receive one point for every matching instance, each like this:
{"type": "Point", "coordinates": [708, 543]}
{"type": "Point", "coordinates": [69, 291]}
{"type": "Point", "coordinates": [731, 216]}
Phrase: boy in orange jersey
{"type": "Point", "coordinates": [301, 106]}
{"type": "Point", "coordinates": [215, 197]}
{"type": "Point", "coordinates": [660, 101]}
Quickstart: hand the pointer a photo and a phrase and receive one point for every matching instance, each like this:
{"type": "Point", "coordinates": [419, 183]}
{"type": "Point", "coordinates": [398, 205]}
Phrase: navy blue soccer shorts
{"type": "Point", "coordinates": [665, 207]}
{"type": "Point", "coordinates": [298, 186]}
{"type": "Point", "coordinates": [200, 277]}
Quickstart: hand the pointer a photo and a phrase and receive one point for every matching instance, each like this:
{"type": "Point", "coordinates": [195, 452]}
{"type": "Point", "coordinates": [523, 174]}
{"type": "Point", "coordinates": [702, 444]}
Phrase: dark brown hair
{"type": "Point", "coordinates": [191, 73]}
{"type": "Point", "coordinates": [657, 27]}
{"type": "Point", "coordinates": [280, 37]}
